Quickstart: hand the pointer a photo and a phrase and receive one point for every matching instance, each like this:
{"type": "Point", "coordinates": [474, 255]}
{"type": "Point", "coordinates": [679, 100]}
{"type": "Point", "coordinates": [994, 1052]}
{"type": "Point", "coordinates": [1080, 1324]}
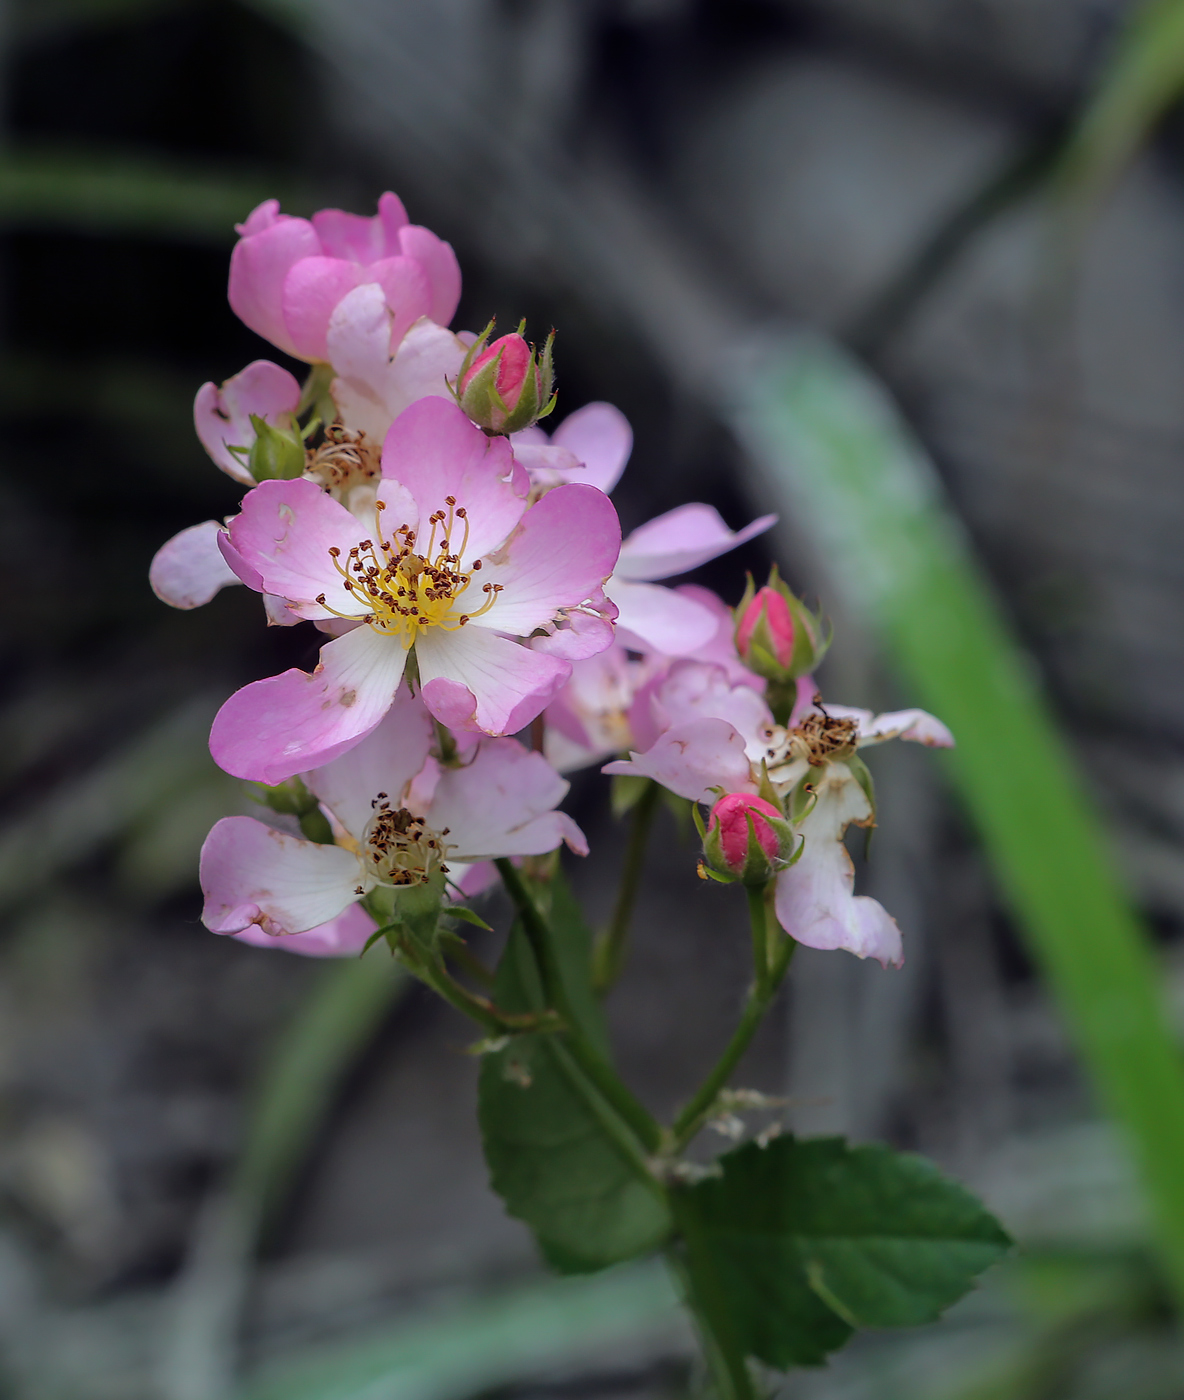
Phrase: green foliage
{"type": "Point", "coordinates": [558, 1154]}
{"type": "Point", "coordinates": [1144, 77]}
{"type": "Point", "coordinates": [796, 1244]}
{"type": "Point", "coordinates": [839, 460]}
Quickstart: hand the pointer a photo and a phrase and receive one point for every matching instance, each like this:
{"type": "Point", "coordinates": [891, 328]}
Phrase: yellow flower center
{"type": "Point", "coordinates": [401, 849]}
{"type": "Point", "coordinates": [402, 591]}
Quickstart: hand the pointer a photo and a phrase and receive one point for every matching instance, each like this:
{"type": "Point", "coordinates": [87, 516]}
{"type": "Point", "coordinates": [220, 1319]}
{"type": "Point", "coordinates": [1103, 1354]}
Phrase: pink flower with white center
{"type": "Point", "coordinates": [703, 757]}
{"type": "Point", "coordinates": [401, 819]}
{"type": "Point", "coordinates": [287, 275]}
{"type": "Point", "coordinates": [593, 445]}
{"type": "Point", "coordinates": [454, 564]}
{"type": "Point", "coordinates": [592, 717]}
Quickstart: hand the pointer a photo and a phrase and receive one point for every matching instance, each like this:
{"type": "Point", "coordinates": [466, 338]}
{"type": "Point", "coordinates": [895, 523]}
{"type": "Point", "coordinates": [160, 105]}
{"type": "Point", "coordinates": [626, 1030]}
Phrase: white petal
{"type": "Point", "coordinates": [190, 569]}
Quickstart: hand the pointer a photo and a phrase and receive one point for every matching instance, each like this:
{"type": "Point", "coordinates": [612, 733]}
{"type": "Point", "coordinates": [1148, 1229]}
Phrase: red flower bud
{"type": "Point", "coordinates": [729, 821]}
{"type": "Point", "coordinates": [506, 386]}
{"type": "Point", "coordinates": [515, 364]}
{"type": "Point", "coordinates": [778, 631]}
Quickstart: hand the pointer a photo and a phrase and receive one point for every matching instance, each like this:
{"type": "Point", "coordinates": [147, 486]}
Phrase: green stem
{"type": "Point", "coordinates": [704, 1295]}
{"type": "Point", "coordinates": [609, 955]}
{"type": "Point", "coordinates": [770, 972]}
{"type": "Point", "coordinates": [585, 1054]}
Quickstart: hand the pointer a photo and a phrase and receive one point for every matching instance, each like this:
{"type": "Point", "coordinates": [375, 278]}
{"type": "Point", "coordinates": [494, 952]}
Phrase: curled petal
{"type": "Point", "coordinates": [190, 569]}
{"type": "Point", "coordinates": [275, 728]}
{"type": "Point", "coordinates": [222, 417]}
{"type": "Point", "coordinates": [474, 680]}
{"type": "Point", "coordinates": [681, 539]}
{"type": "Point", "coordinates": [916, 725]}
{"type": "Point", "coordinates": [343, 937]}
{"type": "Point", "coordinates": [694, 759]}
{"type": "Point", "coordinates": [359, 238]}
{"type": "Point", "coordinates": [252, 874]}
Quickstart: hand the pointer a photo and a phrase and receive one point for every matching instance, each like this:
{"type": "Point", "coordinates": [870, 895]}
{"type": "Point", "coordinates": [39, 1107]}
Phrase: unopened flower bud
{"type": "Point", "coordinates": [278, 450]}
{"type": "Point", "coordinates": [779, 638]}
{"type": "Point", "coordinates": [506, 386]}
{"type": "Point", "coordinates": [747, 837]}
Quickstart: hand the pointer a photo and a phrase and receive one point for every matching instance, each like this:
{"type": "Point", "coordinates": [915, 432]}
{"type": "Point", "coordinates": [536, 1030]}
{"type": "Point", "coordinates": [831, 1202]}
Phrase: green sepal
{"type": "Point", "coordinates": [697, 818]}
{"type": "Point", "coordinates": [863, 776]}
{"type": "Point", "coordinates": [802, 797]}
{"type": "Point", "coordinates": [293, 799]}
{"type": "Point", "coordinates": [277, 454]}
{"type": "Point", "coordinates": [625, 792]}
{"type": "Point", "coordinates": [467, 916]}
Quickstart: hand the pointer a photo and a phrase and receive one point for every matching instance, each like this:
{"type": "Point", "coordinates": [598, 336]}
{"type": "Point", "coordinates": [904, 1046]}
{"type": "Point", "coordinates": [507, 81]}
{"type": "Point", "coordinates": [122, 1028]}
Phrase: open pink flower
{"type": "Point", "coordinates": [593, 445]}
{"type": "Point", "coordinates": [401, 817]}
{"type": "Point", "coordinates": [453, 565]}
{"type": "Point", "coordinates": [287, 275]}
{"type": "Point", "coordinates": [593, 716]}
{"type": "Point", "coordinates": [717, 743]}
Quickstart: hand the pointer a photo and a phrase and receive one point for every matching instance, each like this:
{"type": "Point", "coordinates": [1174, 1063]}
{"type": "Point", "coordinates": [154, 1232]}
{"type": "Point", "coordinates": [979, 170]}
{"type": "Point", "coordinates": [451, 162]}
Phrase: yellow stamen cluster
{"type": "Point", "coordinates": [402, 591]}
{"type": "Point", "coordinates": [400, 848]}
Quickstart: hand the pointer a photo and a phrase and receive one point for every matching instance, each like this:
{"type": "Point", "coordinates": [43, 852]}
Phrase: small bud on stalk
{"type": "Point", "coordinates": [277, 454]}
{"type": "Point", "coordinates": [779, 638]}
{"type": "Point", "coordinates": [747, 838]}
{"type": "Point", "coordinates": [506, 386]}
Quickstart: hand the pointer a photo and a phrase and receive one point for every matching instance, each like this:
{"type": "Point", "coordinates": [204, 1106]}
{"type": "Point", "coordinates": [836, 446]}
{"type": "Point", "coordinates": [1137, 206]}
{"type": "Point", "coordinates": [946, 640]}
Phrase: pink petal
{"type": "Point", "coordinates": [561, 553]}
{"type": "Point", "coordinates": [654, 618]}
{"type": "Point", "coordinates": [222, 417]}
{"type": "Point", "coordinates": [287, 724]}
{"type": "Point", "coordinates": [440, 267]}
{"type": "Point", "coordinates": [261, 217]}
{"type": "Point", "coordinates": [259, 265]}
{"type": "Point", "coordinates": [720, 650]}
{"type": "Point", "coordinates": [693, 690]}
{"type": "Point", "coordinates": [474, 680]}
{"type": "Point", "coordinates": [311, 289]}
{"type": "Point", "coordinates": [681, 539]}
{"type": "Point", "coordinates": [586, 634]}
{"type": "Point", "coordinates": [600, 437]}
{"type": "Point", "coordinates": [815, 902]}
{"type": "Point", "coordinates": [358, 238]}
{"type": "Point", "coordinates": [501, 804]}
{"type": "Point", "coordinates": [252, 874]}
{"type": "Point", "coordinates": [190, 569]}
{"type": "Point", "coordinates": [283, 537]}
{"type": "Point", "coordinates": [372, 388]}
{"type": "Point", "coordinates": [694, 759]}
{"type": "Point", "coordinates": [386, 760]}
{"type": "Point", "coordinates": [434, 451]}
{"type": "Point", "coordinates": [342, 937]}
{"type": "Point", "coordinates": [546, 464]}
{"type": "Point", "coordinates": [408, 292]}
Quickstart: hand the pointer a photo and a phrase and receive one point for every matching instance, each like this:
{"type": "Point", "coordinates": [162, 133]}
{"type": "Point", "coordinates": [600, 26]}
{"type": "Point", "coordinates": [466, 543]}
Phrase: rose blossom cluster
{"type": "Point", "coordinates": [468, 575]}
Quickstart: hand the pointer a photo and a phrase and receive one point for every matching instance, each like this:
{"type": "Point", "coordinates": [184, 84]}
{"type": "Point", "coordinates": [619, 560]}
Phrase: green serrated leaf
{"type": "Point", "coordinates": [802, 1241]}
{"type": "Point", "coordinates": [558, 1155]}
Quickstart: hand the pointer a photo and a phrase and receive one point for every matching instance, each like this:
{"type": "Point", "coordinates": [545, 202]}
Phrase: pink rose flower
{"type": "Point", "coordinates": [716, 744]}
{"type": "Point", "coordinates": [453, 564]}
{"type": "Point", "coordinates": [287, 275]}
{"type": "Point", "coordinates": [401, 819]}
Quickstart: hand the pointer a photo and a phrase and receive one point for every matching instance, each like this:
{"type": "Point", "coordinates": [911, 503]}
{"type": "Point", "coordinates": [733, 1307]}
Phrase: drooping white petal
{"type": "Point", "coordinates": [253, 874]}
{"type": "Point", "coordinates": [815, 900]}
